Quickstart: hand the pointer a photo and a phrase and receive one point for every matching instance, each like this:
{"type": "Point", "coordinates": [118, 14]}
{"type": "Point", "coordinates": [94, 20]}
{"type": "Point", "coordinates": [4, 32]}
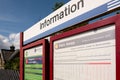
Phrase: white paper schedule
{"type": "Point", "coordinates": [86, 56]}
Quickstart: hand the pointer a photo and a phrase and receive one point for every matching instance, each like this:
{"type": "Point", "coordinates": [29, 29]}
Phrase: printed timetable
{"type": "Point", "coordinates": [86, 56]}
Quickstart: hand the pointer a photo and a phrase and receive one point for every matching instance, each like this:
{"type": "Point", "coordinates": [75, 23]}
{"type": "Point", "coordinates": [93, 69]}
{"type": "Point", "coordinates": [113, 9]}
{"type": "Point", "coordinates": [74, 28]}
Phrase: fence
{"type": "Point", "coordinates": [9, 74]}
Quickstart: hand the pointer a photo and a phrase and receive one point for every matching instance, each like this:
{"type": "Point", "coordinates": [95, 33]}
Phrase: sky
{"type": "Point", "coordinates": [18, 15]}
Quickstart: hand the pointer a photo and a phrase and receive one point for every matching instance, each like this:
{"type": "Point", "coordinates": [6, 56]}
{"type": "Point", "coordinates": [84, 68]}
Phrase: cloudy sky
{"type": "Point", "coordinates": [18, 15]}
{"type": "Point", "coordinates": [12, 39]}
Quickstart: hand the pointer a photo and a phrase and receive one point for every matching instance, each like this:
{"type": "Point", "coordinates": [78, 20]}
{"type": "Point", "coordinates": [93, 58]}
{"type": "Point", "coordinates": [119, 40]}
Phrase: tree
{"type": "Point", "coordinates": [57, 5]}
{"type": "Point", "coordinates": [12, 64]}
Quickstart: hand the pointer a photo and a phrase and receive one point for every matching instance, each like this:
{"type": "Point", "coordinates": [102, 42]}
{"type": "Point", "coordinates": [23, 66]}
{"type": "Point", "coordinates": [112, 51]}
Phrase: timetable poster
{"type": "Point", "coordinates": [33, 63]}
{"type": "Point", "coordinates": [90, 55]}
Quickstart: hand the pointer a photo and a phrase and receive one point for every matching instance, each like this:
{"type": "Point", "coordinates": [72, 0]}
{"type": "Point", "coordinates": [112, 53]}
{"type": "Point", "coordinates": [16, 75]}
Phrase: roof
{"type": "Point", "coordinates": [6, 54]}
{"type": "Point", "coordinates": [15, 53]}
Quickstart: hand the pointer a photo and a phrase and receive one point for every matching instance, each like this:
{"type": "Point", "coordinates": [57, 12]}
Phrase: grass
{"type": "Point", "coordinates": [33, 72]}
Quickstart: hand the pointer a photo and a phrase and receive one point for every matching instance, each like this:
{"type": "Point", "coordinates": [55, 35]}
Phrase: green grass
{"type": "Point", "coordinates": [29, 72]}
{"type": "Point", "coordinates": [33, 71]}
{"type": "Point", "coordinates": [33, 77]}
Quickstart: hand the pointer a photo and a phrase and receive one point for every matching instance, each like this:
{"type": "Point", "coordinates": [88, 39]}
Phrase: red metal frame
{"type": "Point", "coordinates": [45, 60]}
{"type": "Point", "coordinates": [112, 20]}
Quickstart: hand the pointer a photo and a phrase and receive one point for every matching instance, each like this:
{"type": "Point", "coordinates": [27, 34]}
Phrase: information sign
{"type": "Point", "coordinates": [73, 12]}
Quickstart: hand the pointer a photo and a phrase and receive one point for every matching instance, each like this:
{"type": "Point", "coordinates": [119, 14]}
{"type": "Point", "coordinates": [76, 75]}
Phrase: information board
{"type": "Point", "coordinates": [34, 60]}
{"type": "Point", "coordinates": [87, 53]}
{"type": "Point", "coordinates": [33, 63]}
{"type": "Point", "coordinates": [87, 56]}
